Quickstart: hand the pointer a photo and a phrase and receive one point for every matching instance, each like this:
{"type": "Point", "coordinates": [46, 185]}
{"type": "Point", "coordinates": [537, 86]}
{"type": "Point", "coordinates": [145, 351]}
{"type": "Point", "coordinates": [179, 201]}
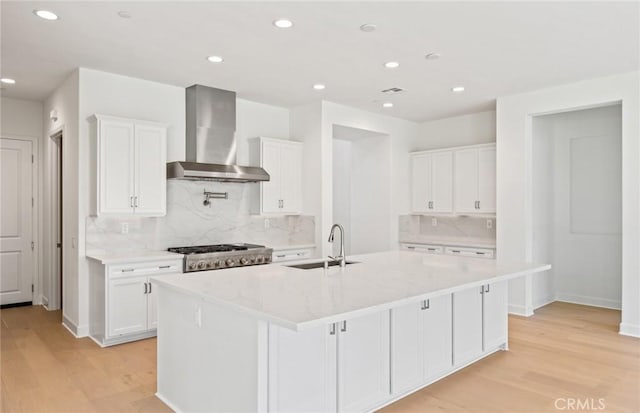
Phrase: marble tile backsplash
{"type": "Point", "coordinates": [189, 222]}
{"type": "Point", "coordinates": [458, 230]}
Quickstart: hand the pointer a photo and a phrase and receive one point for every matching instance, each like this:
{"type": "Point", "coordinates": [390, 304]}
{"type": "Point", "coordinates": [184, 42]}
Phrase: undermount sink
{"type": "Point", "coordinates": [319, 264]}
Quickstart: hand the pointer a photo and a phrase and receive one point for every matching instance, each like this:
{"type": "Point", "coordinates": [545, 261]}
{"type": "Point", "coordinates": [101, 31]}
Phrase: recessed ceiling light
{"type": "Point", "coordinates": [387, 105]}
{"type": "Point", "coordinates": [124, 14]}
{"type": "Point", "coordinates": [283, 23]}
{"type": "Point", "coordinates": [368, 27]}
{"type": "Point", "coordinates": [457, 89]}
{"type": "Point", "coordinates": [45, 14]}
{"type": "Point", "coordinates": [391, 65]}
{"type": "Point", "coordinates": [7, 81]}
{"type": "Point", "coordinates": [215, 59]}
{"type": "Point", "coordinates": [433, 56]}
{"type": "Point", "coordinates": [318, 86]}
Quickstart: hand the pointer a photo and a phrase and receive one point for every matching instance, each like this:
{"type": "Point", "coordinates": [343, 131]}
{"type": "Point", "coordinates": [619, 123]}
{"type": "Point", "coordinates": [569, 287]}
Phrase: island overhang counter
{"type": "Point", "coordinates": [280, 339]}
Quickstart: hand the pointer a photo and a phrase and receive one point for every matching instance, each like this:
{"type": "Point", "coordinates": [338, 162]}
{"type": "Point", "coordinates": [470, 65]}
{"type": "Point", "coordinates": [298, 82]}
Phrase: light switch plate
{"type": "Point", "coordinates": [489, 224]}
{"type": "Point", "coordinates": [125, 228]}
{"type": "Point", "coordinates": [267, 223]}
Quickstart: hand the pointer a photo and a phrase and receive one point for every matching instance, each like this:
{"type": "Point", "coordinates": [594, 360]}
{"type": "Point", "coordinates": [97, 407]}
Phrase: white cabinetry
{"type": "Point", "coordinates": [421, 343]}
{"type": "Point", "coordinates": [432, 181]}
{"type": "Point", "coordinates": [282, 159]}
{"type": "Point", "coordinates": [344, 364]}
{"type": "Point", "coordinates": [292, 254]}
{"type": "Point", "coordinates": [475, 180]}
{"type": "Point", "coordinates": [130, 161]}
{"type": "Point", "coordinates": [480, 321]}
{"type": "Point", "coordinates": [123, 304]}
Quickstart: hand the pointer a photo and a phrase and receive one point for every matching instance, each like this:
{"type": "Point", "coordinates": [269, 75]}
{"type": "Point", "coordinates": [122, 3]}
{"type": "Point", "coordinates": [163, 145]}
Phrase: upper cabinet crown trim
{"type": "Point", "coordinates": [98, 116]}
{"type": "Point", "coordinates": [454, 148]}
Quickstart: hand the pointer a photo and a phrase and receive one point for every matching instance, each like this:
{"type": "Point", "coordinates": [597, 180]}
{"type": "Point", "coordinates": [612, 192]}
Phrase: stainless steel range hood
{"type": "Point", "coordinates": [210, 139]}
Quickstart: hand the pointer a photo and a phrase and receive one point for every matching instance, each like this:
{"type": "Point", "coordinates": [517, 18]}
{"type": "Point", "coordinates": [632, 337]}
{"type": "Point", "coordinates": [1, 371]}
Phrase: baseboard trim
{"type": "Point", "coordinates": [630, 330]}
{"type": "Point", "coordinates": [544, 302]}
{"type": "Point", "coordinates": [12, 305]}
{"type": "Point", "coordinates": [591, 301]}
{"type": "Point", "coordinates": [521, 310]}
{"type": "Point", "coordinates": [167, 402]}
{"type": "Point", "coordinates": [69, 325]}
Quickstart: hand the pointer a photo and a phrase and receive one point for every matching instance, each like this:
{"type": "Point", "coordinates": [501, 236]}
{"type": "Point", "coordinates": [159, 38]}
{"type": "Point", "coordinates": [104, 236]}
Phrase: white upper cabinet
{"type": "Point", "coordinates": [282, 159]}
{"type": "Point", "coordinates": [130, 167]}
{"type": "Point", "coordinates": [475, 180]}
{"type": "Point", "coordinates": [432, 178]}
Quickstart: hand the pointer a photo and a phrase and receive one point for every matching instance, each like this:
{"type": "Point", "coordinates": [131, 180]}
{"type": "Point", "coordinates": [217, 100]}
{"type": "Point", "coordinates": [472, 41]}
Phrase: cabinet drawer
{"type": "Point", "coordinates": [471, 252]}
{"type": "Point", "coordinates": [144, 268]}
{"type": "Point", "coordinates": [291, 255]}
{"type": "Point", "coordinates": [426, 248]}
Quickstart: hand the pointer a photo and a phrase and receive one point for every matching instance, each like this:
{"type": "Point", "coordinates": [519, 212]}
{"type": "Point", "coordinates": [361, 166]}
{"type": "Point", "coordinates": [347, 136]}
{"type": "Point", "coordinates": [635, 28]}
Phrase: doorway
{"type": "Point", "coordinates": [54, 286]}
{"type": "Point", "coordinates": [361, 188]}
{"type": "Point", "coordinates": [577, 206]}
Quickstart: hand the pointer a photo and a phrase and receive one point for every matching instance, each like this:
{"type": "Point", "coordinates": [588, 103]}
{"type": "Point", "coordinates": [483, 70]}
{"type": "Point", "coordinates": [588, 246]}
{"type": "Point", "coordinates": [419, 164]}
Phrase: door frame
{"type": "Point", "coordinates": [36, 229]}
{"type": "Point", "coordinates": [53, 215]}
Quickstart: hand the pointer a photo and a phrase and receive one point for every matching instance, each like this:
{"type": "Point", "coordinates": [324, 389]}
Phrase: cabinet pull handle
{"type": "Point", "coordinates": [332, 330]}
{"type": "Point", "coordinates": [127, 269]}
{"type": "Point", "coordinates": [344, 326]}
{"type": "Point", "coordinates": [281, 256]}
{"type": "Point", "coordinates": [131, 202]}
{"type": "Point", "coordinates": [482, 290]}
{"type": "Point", "coordinates": [282, 203]}
{"type": "Point", "coordinates": [425, 305]}
{"type": "Point", "coordinates": [478, 204]}
{"type": "Point", "coordinates": [149, 288]}
{"type": "Point", "coordinates": [135, 202]}
{"type": "Point", "coordinates": [411, 247]}
{"type": "Point", "coordinates": [164, 267]}
{"type": "Point", "coordinates": [145, 288]}
{"type": "Point", "coordinates": [456, 251]}
{"type": "Point", "coordinates": [487, 290]}
{"type": "Point", "coordinates": [431, 249]}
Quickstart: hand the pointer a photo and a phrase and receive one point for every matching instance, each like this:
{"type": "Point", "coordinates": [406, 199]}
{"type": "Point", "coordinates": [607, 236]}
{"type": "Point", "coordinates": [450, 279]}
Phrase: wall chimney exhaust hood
{"type": "Point", "coordinates": [210, 140]}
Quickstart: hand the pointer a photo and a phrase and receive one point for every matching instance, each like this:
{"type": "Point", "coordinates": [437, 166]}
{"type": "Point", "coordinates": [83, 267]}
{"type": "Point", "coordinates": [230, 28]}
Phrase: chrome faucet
{"type": "Point", "coordinates": [342, 258]}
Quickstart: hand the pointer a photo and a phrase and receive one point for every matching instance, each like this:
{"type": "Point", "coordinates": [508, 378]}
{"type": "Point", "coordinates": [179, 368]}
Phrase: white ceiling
{"type": "Point", "coordinates": [492, 48]}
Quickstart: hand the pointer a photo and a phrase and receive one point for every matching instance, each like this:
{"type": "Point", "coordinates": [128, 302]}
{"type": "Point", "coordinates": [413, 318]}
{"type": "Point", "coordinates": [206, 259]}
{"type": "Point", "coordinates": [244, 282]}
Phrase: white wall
{"type": "Point", "coordinates": [342, 160]}
{"type": "Point", "coordinates": [472, 129]}
{"type": "Point", "coordinates": [514, 201]}
{"type": "Point", "coordinates": [65, 100]}
{"type": "Point", "coordinates": [577, 166]}
{"type": "Point", "coordinates": [257, 119]}
{"type": "Point", "coordinates": [23, 119]}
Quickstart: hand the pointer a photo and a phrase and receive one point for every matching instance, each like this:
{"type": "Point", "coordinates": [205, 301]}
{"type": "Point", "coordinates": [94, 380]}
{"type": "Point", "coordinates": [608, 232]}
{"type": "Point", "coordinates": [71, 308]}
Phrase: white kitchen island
{"type": "Point", "coordinates": [279, 339]}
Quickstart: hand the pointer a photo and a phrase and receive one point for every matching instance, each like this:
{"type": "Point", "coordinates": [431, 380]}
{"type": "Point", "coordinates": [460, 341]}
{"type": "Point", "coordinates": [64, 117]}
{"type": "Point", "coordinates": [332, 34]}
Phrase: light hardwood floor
{"type": "Point", "coordinates": [564, 351]}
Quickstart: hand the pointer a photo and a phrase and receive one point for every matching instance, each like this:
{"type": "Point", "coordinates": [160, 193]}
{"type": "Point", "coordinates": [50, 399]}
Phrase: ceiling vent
{"type": "Point", "coordinates": [393, 91]}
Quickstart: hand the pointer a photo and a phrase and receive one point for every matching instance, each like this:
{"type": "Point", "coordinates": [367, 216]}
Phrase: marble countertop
{"type": "Point", "coordinates": [300, 299]}
{"type": "Point", "coordinates": [291, 247]}
{"type": "Point", "coordinates": [111, 257]}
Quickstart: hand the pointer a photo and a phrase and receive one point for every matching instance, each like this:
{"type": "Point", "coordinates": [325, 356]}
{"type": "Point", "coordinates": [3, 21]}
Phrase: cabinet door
{"type": "Point", "coordinates": [150, 170]}
{"type": "Point", "coordinates": [152, 308]}
{"type": "Point", "coordinates": [467, 325]}
{"type": "Point", "coordinates": [407, 348]}
{"type": "Point", "coordinates": [466, 180]}
{"type": "Point", "coordinates": [302, 370]}
{"type": "Point", "coordinates": [442, 182]}
{"type": "Point", "coordinates": [127, 307]}
{"type": "Point", "coordinates": [363, 362]}
{"type": "Point", "coordinates": [271, 190]}
{"type": "Point", "coordinates": [290, 176]}
{"type": "Point", "coordinates": [495, 315]}
{"type": "Point", "coordinates": [438, 343]}
{"type": "Point", "coordinates": [420, 182]}
{"type": "Point", "coordinates": [115, 167]}
{"type": "Point", "coordinates": [487, 179]}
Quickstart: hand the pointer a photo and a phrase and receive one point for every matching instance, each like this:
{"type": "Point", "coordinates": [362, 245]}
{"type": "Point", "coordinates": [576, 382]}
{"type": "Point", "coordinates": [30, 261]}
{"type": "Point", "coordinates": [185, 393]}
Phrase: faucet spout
{"type": "Point", "coordinates": [342, 258]}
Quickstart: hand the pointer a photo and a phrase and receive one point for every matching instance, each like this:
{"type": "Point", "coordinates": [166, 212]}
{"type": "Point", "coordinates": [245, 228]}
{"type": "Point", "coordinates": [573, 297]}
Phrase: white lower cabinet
{"type": "Point", "coordinates": [479, 321]}
{"type": "Point", "coordinates": [123, 304]}
{"type": "Point", "coordinates": [341, 367]}
{"type": "Point", "coordinates": [421, 343]}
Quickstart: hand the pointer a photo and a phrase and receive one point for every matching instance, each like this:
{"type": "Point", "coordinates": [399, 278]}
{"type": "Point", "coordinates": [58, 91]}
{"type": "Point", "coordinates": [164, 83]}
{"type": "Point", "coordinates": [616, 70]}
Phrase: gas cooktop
{"type": "Point", "coordinates": [216, 257]}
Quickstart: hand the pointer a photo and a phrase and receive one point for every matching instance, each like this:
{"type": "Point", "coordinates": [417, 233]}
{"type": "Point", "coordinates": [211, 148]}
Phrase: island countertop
{"type": "Point", "coordinates": [300, 299]}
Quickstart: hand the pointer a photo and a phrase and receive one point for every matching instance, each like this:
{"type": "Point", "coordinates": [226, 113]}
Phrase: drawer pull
{"type": "Point", "coordinates": [431, 249]}
{"type": "Point", "coordinates": [456, 251]}
{"type": "Point", "coordinates": [280, 256]}
{"type": "Point", "coordinates": [128, 269]}
{"type": "Point", "coordinates": [411, 248]}
{"type": "Point", "coordinates": [480, 253]}
{"type": "Point", "coordinates": [164, 267]}
{"type": "Point", "coordinates": [146, 290]}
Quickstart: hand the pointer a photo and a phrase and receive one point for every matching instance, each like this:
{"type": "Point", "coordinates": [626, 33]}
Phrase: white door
{"type": "Point", "coordinates": [406, 348]}
{"type": "Point", "coordinates": [150, 170]}
{"type": "Point", "coordinates": [442, 182]}
{"type": "Point", "coordinates": [291, 181]}
{"type": "Point", "coordinates": [420, 183]}
{"type": "Point", "coordinates": [363, 362]}
{"type": "Point", "coordinates": [16, 225]}
{"type": "Point", "coordinates": [467, 325]}
{"type": "Point", "coordinates": [152, 307]}
{"type": "Point", "coordinates": [466, 180]}
{"type": "Point", "coordinates": [487, 180]}
{"type": "Point", "coordinates": [271, 189]}
{"type": "Point", "coordinates": [438, 346]}
{"type": "Point", "coordinates": [302, 370]}
{"type": "Point", "coordinates": [116, 167]}
{"type": "Point", "coordinates": [495, 315]}
{"type": "Point", "coordinates": [127, 305]}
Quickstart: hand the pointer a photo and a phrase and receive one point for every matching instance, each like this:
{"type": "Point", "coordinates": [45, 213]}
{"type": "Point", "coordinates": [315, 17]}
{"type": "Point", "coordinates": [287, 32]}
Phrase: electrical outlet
{"type": "Point", "coordinates": [267, 223]}
{"type": "Point", "coordinates": [489, 224]}
{"type": "Point", "coordinates": [125, 228]}
{"type": "Point", "coordinates": [434, 222]}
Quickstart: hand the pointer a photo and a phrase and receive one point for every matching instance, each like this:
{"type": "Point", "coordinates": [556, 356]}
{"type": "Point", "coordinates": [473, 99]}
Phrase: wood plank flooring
{"type": "Point", "coordinates": [565, 351]}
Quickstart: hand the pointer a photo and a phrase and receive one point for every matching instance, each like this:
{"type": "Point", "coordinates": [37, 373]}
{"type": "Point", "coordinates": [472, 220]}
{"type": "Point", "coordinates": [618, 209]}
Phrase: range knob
{"type": "Point", "coordinates": [259, 258]}
{"type": "Point", "coordinates": [192, 266]}
{"type": "Point", "coordinates": [201, 265]}
{"type": "Point", "coordinates": [217, 263]}
{"type": "Point", "coordinates": [230, 262]}
{"type": "Point", "coordinates": [267, 258]}
{"type": "Point", "coordinates": [244, 261]}
{"type": "Point", "coordinates": [210, 264]}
